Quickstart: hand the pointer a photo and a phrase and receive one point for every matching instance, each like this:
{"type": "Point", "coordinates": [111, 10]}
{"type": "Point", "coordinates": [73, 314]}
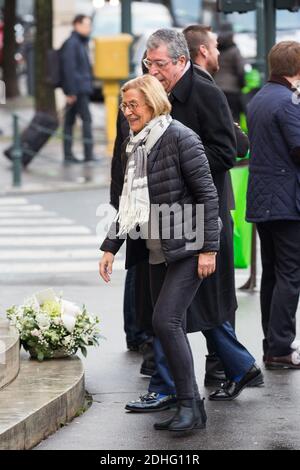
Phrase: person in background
{"type": "Point", "coordinates": [77, 84]}
{"type": "Point", "coordinates": [231, 75]}
{"type": "Point", "coordinates": [273, 202]}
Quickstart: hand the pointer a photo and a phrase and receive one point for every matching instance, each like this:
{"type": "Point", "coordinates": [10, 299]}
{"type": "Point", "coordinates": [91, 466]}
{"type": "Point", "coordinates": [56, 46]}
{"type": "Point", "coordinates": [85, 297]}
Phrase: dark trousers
{"type": "Point", "coordinates": [173, 288]}
{"type": "Point", "coordinates": [280, 284]}
{"type": "Point", "coordinates": [134, 335]}
{"type": "Point", "coordinates": [79, 108]}
{"type": "Point", "coordinates": [235, 358]}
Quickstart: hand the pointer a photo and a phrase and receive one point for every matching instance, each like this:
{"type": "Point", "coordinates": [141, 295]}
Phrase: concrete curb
{"type": "Point", "coordinates": [44, 397]}
{"type": "Point", "coordinates": [9, 356]}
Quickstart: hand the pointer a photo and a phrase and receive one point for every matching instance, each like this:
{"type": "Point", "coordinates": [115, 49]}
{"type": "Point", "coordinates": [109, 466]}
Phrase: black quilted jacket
{"type": "Point", "coordinates": [178, 173]}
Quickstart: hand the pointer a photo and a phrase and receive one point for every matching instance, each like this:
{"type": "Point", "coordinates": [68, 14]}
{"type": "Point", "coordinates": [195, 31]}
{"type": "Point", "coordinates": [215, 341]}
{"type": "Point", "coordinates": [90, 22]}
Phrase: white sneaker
{"type": "Point", "coordinates": [296, 345]}
{"type": "Point", "coordinates": [295, 358]}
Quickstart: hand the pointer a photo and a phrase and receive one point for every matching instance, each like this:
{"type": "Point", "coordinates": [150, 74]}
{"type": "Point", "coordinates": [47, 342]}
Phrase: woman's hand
{"type": "Point", "coordinates": [106, 265]}
{"type": "Point", "coordinates": [206, 264]}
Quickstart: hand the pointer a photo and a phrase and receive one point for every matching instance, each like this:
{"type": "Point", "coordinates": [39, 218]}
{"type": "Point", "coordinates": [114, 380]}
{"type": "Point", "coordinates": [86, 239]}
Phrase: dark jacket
{"type": "Point", "coordinates": [76, 69]}
{"type": "Point", "coordinates": [200, 105]}
{"type": "Point", "coordinates": [231, 76]}
{"type": "Point", "coordinates": [242, 141]}
{"type": "Point", "coordinates": [178, 173]}
{"type": "Point", "coordinates": [274, 129]}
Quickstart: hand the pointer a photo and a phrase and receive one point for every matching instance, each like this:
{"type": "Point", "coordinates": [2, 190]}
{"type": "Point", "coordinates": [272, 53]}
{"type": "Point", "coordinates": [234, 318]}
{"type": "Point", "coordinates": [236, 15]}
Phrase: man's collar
{"type": "Point", "coordinates": [203, 72]}
{"type": "Point", "coordinates": [182, 88]}
{"type": "Point", "coordinates": [281, 81]}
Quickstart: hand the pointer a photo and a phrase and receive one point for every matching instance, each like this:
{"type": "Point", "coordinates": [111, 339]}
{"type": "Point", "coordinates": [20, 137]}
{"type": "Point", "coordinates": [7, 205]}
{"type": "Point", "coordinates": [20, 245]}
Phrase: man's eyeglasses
{"type": "Point", "coordinates": [160, 64]}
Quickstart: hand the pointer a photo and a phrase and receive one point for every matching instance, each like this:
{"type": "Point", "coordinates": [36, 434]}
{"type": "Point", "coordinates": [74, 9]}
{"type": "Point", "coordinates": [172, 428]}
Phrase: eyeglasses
{"type": "Point", "coordinates": [160, 64]}
{"type": "Point", "coordinates": [132, 106]}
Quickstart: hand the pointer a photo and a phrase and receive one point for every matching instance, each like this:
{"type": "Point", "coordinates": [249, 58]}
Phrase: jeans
{"type": "Point", "coordinates": [173, 288]}
{"type": "Point", "coordinates": [79, 108]}
{"type": "Point", "coordinates": [134, 336]}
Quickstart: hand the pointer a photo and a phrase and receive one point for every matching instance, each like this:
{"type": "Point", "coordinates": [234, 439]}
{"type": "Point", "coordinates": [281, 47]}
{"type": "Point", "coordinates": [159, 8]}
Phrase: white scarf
{"type": "Point", "coordinates": [134, 206]}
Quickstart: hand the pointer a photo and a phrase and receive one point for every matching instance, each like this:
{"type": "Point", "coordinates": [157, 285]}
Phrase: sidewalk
{"type": "Point", "coordinates": [47, 173]}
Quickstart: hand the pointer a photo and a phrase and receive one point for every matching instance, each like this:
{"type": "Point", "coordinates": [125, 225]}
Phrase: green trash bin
{"type": "Point", "coordinates": [242, 229]}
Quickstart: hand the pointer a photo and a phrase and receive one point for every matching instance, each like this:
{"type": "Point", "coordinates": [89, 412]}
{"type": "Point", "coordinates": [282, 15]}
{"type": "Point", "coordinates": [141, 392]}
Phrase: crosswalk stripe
{"type": "Point", "coordinates": [20, 209]}
{"type": "Point", "coordinates": [73, 230]}
{"type": "Point", "coordinates": [57, 267]}
{"type": "Point", "coordinates": [50, 241]}
{"type": "Point", "coordinates": [36, 221]}
{"type": "Point", "coordinates": [40, 254]}
{"type": "Point", "coordinates": [13, 214]}
{"type": "Point", "coordinates": [13, 201]}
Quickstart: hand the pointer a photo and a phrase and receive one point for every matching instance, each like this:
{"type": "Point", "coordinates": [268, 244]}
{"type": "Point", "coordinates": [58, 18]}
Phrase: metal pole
{"type": "Point", "coordinates": [261, 41]}
{"type": "Point", "coordinates": [270, 27]}
{"type": "Point", "coordinates": [126, 15]}
{"type": "Point", "coordinates": [17, 153]}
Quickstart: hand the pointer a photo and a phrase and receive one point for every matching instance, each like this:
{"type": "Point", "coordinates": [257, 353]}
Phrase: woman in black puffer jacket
{"type": "Point", "coordinates": [168, 212]}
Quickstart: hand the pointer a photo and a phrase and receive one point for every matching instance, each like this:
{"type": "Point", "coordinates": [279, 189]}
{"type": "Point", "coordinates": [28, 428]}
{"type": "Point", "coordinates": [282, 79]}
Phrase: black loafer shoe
{"type": "Point", "coordinates": [291, 361]}
{"type": "Point", "coordinates": [151, 402]}
{"type": "Point", "coordinates": [231, 390]}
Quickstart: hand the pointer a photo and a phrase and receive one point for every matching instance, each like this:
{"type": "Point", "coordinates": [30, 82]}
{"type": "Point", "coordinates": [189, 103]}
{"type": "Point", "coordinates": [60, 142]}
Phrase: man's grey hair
{"type": "Point", "coordinates": [174, 40]}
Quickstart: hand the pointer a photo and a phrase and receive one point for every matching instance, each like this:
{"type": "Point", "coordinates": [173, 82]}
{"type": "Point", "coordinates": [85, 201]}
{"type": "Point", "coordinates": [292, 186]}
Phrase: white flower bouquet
{"type": "Point", "coordinates": [51, 327]}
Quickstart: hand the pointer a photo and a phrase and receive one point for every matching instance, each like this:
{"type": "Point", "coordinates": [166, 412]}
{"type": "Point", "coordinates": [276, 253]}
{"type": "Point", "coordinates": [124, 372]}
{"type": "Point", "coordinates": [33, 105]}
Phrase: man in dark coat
{"type": "Point", "coordinates": [273, 202]}
{"type": "Point", "coordinates": [77, 84]}
{"type": "Point", "coordinates": [200, 105]}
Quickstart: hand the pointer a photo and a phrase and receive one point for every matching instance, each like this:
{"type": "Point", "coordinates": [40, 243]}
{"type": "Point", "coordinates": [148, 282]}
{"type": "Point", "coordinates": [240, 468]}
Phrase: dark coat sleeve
{"type": "Point", "coordinates": [217, 126]}
{"type": "Point", "coordinates": [117, 170]}
{"type": "Point", "coordinates": [196, 172]}
{"type": "Point", "coordinates": [112, 243]}
{"type": "Point", "coordinates": [68, 64]}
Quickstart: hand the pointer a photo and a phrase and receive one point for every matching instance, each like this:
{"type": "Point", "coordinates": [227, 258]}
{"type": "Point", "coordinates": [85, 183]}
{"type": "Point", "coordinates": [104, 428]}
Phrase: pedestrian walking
{"type": "Point", "coordinates": [77, 84]}
{"type": "Point", "coordinates": [201, 106]}
{"type": "Point", "coordinates": [273, 202]}
{"type": "Point", "coordinates": [231, 75]}
{"type": "Point", "coordinates": [166, 165]}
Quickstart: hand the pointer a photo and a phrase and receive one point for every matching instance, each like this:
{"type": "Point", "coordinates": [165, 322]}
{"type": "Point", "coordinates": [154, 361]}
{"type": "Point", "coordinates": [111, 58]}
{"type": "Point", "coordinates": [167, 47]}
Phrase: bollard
{"type": "Point", "coordinates": [17, 153]}
{"type": "Point", "coordinates": [112, 66]}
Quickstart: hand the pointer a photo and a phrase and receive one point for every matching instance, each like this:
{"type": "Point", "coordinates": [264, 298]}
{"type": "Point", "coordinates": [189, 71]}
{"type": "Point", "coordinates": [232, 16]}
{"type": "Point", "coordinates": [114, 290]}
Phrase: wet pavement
{"type": "Point", "coordinates": [260, 418]}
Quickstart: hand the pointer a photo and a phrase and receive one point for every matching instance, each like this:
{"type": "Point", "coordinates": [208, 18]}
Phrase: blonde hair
{"type": "Point", "coordinates": [155, 96]}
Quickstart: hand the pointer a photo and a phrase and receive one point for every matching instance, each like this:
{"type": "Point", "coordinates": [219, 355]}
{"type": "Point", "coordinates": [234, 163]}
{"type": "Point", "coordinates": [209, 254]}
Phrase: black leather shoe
{"type": "Point", "coordinates": [200, 413]}
{"type": "Point", "coordinates": [186, 417]}
{"type": "Point", "coordinates": [71, 159]}
{"type": "Point", "coordinates": [151, 402]}
{"type": "Point", "coordinates": [231, 390]}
